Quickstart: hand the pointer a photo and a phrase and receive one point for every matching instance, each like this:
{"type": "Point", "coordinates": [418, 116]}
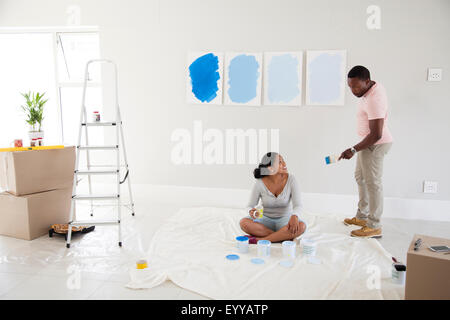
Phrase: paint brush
{"type": "Point", "coordinates": [331, 159]}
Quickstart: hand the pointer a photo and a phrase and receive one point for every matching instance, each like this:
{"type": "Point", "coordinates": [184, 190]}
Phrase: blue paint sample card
{"type": "Point", "coordinates": [283, 78]}
{"type": "Point", "coordinates": [204, 78]}
{"type": "Point", "coordinates": [243, 74]}
{"type": "Point", "coordinates": [326, 77]}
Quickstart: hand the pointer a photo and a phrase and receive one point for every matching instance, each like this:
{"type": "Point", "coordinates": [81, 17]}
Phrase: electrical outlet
{"type": "Point", "coordinates": [434, 74]}
{"type": "Point", "coordinates": [430, 186]}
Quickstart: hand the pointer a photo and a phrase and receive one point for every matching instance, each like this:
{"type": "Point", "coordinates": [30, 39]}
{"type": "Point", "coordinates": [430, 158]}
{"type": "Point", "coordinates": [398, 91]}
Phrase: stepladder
{"type": "Point", "coordinates": [117, 170]}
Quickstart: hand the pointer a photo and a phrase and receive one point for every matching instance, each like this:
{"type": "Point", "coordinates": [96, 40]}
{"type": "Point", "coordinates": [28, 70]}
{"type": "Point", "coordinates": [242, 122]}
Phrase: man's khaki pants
{"type": "Point", "coordinates": [368, 174]}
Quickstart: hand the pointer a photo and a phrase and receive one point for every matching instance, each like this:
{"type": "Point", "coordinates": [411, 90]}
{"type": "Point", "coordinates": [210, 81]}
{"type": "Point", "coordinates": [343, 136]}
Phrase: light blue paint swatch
{"type": "Point", "coordinates": [283, 80]}
{"type": "Point", "coordinates": [325, 78]}
{"type": "Point", "coordinates": [243, 73]}
{"type": "Point", "coordinates": [204, 74]}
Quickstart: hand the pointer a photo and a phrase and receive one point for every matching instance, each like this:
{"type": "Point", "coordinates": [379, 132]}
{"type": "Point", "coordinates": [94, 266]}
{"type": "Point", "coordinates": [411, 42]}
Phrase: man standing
{"type": "Point", "coordinates": [377, 140]}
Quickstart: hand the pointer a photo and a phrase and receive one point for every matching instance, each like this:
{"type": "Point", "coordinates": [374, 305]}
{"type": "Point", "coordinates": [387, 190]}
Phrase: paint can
{"type": "Point", "coordinates": [308, 247]}
{"type": "Point", "coordinates": [260, 211]}
{"type": "Point", "coordinates": [263, 248]}
{"type": "Point", "coordinates": [242, 244]}
{"type": "Point", "coordinates": [96, 116]}
{"type": "Point", "coordinates": [141, 264]}
{"type": "Point", "coordinates": [288, 249]}
{"type": "Point", "coordinates": [18, 143]}
{"type": "Point", "coordinates": [398, 273]}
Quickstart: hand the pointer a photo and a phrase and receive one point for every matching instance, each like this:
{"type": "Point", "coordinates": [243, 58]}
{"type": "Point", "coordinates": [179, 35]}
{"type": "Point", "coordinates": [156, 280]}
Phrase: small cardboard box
{"type": "Point", "coordinates": [427, 272]}
{"type": "Point", "coordinates": [30, 216]}
{"type": "Point", "coordinates": [27, 172]}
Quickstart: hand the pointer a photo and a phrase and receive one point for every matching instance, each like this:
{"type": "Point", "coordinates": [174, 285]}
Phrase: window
{"type": "Point", "coordinates": [26, 63]}
{"type": "Point", "coordinates": [50, 61]}
{"type": "Point", "coordinates": [74, 50]}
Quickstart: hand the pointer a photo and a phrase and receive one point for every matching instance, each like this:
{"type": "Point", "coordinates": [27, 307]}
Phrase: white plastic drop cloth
{"type": "Point", "coordinates": [190, 249]}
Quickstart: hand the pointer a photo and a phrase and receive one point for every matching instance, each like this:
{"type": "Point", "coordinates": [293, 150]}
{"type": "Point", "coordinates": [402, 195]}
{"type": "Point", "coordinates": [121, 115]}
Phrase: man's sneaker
{"type": "Point", "coordinates": [366, 232]}
{"type": "Point", "coordinates": [355, 221]}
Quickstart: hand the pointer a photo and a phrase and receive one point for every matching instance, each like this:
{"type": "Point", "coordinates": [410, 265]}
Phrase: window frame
{"type": "Point", "coordinates": [59, 85]}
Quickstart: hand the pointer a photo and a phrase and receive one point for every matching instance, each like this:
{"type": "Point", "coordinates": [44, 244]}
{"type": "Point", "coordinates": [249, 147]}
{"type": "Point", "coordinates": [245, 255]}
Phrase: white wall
{"type": "Point", "coordinates": [150, 40]}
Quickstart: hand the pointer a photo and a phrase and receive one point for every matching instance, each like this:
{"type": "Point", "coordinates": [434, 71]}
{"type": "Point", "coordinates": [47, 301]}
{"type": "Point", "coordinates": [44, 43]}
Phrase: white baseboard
{"type": "Point", "coordinates": [414, 209]}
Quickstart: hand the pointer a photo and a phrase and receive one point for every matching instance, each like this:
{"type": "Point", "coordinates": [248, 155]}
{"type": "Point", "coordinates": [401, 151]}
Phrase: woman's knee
{"type": "Point", "coordinates": [244, 222]}
{"type": "Point", "coordinates": [301, 228]}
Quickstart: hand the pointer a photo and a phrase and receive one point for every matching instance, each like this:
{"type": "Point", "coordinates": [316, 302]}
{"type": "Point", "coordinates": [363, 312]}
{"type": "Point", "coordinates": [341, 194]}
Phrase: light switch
{"type": "Point", "coordinates": [434, 74]}
{"type": "Point", "coordinates": [430, 186]}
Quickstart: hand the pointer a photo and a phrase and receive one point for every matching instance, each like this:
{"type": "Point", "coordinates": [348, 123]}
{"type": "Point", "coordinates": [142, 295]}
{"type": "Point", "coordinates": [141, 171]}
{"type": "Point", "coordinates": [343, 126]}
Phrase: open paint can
{"type": "Point", "coordinates": [288, 249]}
{"type": "Point", "coordinates": [141, 264]}
{"type": "Point", "coordinates": [263, 248]}
{"type": "Point", "coordinates": [398, 273]}
{"type": "Point", "coordinates": [242, 244]}
{"type": "Point", "coordinates": [309, 247]}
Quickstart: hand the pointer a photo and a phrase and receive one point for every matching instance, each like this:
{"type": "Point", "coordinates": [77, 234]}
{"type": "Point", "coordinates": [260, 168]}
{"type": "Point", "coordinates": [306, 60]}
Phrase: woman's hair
{"type": "Point", "coordinates": [267, 161]}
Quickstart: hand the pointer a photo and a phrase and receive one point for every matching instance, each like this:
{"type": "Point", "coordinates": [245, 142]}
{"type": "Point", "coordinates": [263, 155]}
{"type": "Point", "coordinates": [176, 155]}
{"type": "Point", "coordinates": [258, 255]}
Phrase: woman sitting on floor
{"type": "Point", "coordinates": [280, 196]}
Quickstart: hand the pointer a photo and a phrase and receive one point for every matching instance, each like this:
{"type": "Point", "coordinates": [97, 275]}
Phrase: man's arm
{"type": "Point", "coordinates": [376, 131]}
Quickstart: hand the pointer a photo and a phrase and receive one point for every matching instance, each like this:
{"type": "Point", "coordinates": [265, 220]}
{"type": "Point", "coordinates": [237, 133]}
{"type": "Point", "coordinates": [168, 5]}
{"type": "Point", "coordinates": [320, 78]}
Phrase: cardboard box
{"type": "Point", "coordinates": [427, 272]}
{"type": "Point", "coordinates": [30, 216]}
{"type": "Point", "coordinates": [27, 172]}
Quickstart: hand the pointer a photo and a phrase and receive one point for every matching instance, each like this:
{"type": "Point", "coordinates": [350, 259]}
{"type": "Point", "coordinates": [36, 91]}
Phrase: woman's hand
{"type": "Point", "coordinates": [253, 212]}
{"type": "Point", "coordinates": [293, 224]}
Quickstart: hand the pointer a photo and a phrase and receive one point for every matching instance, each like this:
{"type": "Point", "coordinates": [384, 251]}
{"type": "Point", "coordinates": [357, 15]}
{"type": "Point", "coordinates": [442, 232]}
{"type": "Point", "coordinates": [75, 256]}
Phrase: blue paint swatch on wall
{"type": "Point", "coordinates": [325, 78]}
{"type": "Point", "coordinates": [283, 78]}
{"type": "Point", "coordinates": [204, 74]}
{"type": "Point", "coordinates": [243, 78]}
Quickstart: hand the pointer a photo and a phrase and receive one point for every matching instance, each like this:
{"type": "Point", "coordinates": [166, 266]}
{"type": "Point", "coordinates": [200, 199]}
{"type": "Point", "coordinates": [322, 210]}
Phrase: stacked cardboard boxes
{"type": "Point", "coordinates": [37, 191]}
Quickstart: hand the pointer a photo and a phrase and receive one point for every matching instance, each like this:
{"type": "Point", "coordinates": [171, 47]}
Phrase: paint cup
{"type": "Point", "coordinates": [96, 116]}
{"type": "Point", "coordinates": [263, 248]}
{"type": "Point", "coordinates": [288, 249]}
{"type": "Point", "coordinates": [242, 244]}
{"type": "Point", "coordinates": [141, 264]}
{"type": "Point", "coordinates": [398, 273]}
{"type": "Point", "coordinates": [260, 211]}
{"type": "Point", "coordinates": [308, 247]}
{"type": "Point", "coordinates": [18, 143]}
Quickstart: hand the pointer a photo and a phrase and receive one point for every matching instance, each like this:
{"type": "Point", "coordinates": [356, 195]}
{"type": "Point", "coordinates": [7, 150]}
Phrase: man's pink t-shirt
{"type": "Point", "coordinates": [373, 105]}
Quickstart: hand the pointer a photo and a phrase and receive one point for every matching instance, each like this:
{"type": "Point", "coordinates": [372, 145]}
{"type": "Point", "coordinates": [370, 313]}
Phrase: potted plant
{"type": "Point", "coordinates": [34, 110]}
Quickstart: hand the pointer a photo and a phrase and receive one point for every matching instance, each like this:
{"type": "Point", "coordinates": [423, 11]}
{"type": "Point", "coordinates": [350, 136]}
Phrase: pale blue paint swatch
{"type": "Point", "coordinates": [244, 74]}
{"type": "Point", "coordinates": [325, 78]}
{"type": "Point", "coordinates": [283, 80]}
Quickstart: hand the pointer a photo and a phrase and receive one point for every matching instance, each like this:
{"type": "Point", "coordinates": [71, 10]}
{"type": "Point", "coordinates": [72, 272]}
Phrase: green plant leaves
{"type": "Point", "coordinates": [34, 108]}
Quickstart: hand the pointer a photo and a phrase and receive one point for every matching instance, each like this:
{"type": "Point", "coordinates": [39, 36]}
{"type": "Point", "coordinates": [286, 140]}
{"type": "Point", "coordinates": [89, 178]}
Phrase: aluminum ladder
{"type": "Point", "coordinates": [117, 147]}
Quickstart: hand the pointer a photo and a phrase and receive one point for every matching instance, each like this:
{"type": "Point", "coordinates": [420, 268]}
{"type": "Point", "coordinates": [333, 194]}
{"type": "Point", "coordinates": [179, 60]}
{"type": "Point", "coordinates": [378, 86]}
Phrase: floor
{"type": "Point", "coordinates": [96, 268]}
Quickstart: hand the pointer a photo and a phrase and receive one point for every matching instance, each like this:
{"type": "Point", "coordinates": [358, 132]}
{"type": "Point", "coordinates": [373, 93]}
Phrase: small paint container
{"type": "Point", "coordinates": [263, 248]}
{"type": "Point", "coordinates": [141, 264]}
{"type": "Point", "coordinates": [242, 244]}
{"type": "Point", "coordinates": [96, 116]}
{"type": "Point", "coordinates": [398, 273]}
{"type": "Point", "coordinates": [288, 249]}
{"type": "Point", "coordinates": [260, 211]}
{"type": "Point", "coordinates": [308, 247]}
{"type": "Point", "coordinates": [18, 143]}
